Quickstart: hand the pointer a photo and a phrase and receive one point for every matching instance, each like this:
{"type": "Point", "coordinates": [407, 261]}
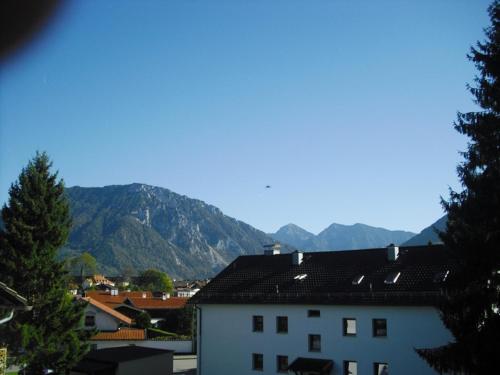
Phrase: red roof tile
{"type": "Point", "coordinates": [114, 301]}
{"type": "Point", "coordinates": [121, 334]}
{"type": "Point", "coordinates": [159, 303]}
{"type": "Point", "coordinates": [109, 310]}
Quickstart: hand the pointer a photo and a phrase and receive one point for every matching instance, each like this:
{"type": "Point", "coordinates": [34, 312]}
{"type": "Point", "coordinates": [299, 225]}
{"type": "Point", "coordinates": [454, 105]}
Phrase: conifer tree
{"type": "Point", "coordinates": [37, 224]}
{"type": "Point", "coordinates": [470, 310]}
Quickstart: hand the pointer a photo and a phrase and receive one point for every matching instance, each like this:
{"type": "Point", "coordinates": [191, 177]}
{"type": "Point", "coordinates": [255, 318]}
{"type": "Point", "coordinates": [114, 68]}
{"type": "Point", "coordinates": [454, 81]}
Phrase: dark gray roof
{"type": "Point", "coordinates": [89, 366]}
{"type": "Point", "coordinates": [329, 278]}
{"type": "Point", "coordinates": [10, 299]}
{"type": "Point", "coordinates": [123, 354]}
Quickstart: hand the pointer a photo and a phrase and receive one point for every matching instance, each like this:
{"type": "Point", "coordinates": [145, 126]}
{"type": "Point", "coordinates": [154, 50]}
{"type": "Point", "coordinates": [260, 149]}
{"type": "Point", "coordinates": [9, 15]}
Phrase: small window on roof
{"type": "Point", "coordinates": [441, 277]}
{"type": "Point", "coordinates": [302, 276]}
{"type": "Point", "coordinates": [358, 279]}
{"type": "Point", "coordinates": [392, 278]}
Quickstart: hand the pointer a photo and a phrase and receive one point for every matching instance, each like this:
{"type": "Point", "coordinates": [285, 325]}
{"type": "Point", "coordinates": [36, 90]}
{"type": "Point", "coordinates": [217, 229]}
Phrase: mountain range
{"type": "Point", "coordinates": [341, 237]}
{"type": "Point", "coordinates": [429, 234]}
{"type": "Point", "coordinates": [135, 227]}
{"type": "Point", "coordinates": [129, 228]}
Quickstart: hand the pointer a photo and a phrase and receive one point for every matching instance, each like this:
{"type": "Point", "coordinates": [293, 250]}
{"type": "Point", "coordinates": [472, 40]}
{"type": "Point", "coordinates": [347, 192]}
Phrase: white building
{"type": "Point", "coordinates": [103, 318]}
{"type": "Point", "coordinates": [186, 292]}
{"type": "Point", "coordinates": [346, 312]}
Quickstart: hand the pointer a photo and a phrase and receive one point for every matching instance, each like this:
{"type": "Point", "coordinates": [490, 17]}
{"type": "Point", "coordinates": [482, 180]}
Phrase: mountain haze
{"type": "Point", "coordinates": [340, 237]}
{"type": "Point", "coordinates": [134, 227]}
{"type": "Point", "coordinates": [429, 233]}
{"type": "Point", "coordinates": [293, 234]}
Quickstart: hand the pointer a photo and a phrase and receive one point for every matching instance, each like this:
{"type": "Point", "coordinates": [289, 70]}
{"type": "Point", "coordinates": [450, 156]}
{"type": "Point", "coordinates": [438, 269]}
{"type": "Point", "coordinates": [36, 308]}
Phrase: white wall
{"type": "Point", "coordinates": [178, 346]}
{"type": "Point", "coordinates": [103, 321]}
{"type": "Point", "coordinates": [227, 341]}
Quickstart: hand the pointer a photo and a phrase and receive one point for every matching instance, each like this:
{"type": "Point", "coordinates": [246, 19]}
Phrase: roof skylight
{"type": "Point", "coordinates": [392, 278]}
{"type": "Point", "coordinates": [441, 277]}
{"type": "Point", "coordinates": [358, 279]}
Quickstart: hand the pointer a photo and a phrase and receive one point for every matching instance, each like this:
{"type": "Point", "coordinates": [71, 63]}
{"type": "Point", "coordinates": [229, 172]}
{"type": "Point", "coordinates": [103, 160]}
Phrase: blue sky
{"type": "Point", "coordinates": [344, 107]}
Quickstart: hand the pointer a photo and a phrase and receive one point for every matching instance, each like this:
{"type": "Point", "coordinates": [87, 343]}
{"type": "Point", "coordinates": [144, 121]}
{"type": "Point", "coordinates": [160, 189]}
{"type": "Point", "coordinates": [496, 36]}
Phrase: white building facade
{"type": "Point", "coordinates": [330, 313]}
{"type": "Point", "coordinates": [227, 341]}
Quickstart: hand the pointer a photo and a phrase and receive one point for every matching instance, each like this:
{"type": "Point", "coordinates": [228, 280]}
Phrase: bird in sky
{"type": "Point", "coordinates": [268, 186]}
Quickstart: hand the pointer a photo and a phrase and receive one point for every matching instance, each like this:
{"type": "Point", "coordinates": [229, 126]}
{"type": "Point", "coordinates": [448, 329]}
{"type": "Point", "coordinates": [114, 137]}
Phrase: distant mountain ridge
{"type": "Point", "coordinates": [293, 234]}
{"type": "Point", "coordinates": [137, 226]}
{"type": "Point", "coordinates": [340, 237]}
{"type": "Point", "coordinates": [429, 234]}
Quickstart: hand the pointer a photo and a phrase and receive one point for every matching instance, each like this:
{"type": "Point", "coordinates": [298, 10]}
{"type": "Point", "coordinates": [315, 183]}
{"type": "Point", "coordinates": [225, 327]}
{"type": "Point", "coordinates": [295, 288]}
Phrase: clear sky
{"type": "Point", "coordinates": [344, 107]}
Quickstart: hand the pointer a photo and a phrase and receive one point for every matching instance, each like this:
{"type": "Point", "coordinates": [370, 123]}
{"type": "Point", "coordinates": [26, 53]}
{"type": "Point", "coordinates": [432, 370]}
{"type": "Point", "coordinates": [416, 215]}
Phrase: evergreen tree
{"type": "Point", "coordinates": [470, 310]}
{"type": "Point", "coordinates": [37, 224]}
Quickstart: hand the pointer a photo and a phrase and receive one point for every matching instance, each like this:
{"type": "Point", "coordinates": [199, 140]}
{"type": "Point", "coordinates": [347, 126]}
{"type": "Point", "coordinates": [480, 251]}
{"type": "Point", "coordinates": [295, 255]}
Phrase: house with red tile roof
{"type": "Point", "coordinates": [114, 328]}
{"type": "Point", "coordinates": [123, 334]}
{"type": "Point", "coordinates": [157, 303]}
{"type": "Point", "coordinates": [116, 298]}
{"type": "Point", "coordinates": [102, 317]}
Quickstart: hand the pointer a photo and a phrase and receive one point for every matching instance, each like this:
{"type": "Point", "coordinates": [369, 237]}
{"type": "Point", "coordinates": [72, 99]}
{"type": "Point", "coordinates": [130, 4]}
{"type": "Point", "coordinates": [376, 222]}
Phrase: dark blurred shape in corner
{"type": "Point", "coordinates": [21, 21]}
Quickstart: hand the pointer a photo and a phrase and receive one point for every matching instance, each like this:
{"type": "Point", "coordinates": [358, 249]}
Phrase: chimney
{"type": "Point", "coordinates": [272, 249]}
{"type": "Point", "coordinates": [392, 252]}
{"type": "Point", "coordinates": [297, 257]}
{"type": "Point", "coordinates": [144, 295]}
{"type": "Point", "coordinates": [114, 292]}
{"type": "Point", "coordinates": [165, 296]}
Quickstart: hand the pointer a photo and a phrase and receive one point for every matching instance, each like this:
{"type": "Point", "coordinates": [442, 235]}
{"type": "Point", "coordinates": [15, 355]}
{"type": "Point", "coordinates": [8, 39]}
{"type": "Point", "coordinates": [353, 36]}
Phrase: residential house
{"type": "Point", "coordinates": [157, 307]}
{"type": "Point", "coordinates": [103, 318]}
{"type": "Point", "coordinates": [188, 288]}
{"type": "Point", "coordinates": [186, 292]}
{"type": "Point", "coordinates": [114, 328]}
{"type": "Point", "coordinates": [10, 302]}
{"type": "Point", "coordinates": [114, 298]}
{"type": "Point", "coordinates": [98, 281]}
{"type": "Point", "coordinates": [338, 312]}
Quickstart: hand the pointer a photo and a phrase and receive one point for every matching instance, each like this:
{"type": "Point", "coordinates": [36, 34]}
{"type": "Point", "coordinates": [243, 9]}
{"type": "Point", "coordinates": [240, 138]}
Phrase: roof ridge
{"type": "Point", "coordinates": [108, 310]}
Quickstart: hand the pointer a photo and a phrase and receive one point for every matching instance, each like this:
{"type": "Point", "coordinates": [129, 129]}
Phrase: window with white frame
{"type": "Point", "coordinates": [349, 326]}
{"type": "Point", "coordinates": [380, 368]}
{"type": "Point", "coordinates": [350, 368]}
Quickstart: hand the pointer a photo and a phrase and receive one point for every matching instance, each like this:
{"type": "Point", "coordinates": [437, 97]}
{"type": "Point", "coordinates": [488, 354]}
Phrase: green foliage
{"type": "Point", "coordinates": [155, 280]}
{"type": "Point", "coordinates": [177, 239]}
{"type": "Point", "coordinates": [143, 320]}
{"type": "Point", "coordinates": [37, 224]}
{"type": "Point", "coordinates": [82, 264]}
{"type": "Point", "coordinates": [161, 335]}
{"type": "Point", "coordinates": [472, 235]}
{"type": "Point", "coordinates": [179, 321]}
{"type": "Point", "coordinates": [156, 332]}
